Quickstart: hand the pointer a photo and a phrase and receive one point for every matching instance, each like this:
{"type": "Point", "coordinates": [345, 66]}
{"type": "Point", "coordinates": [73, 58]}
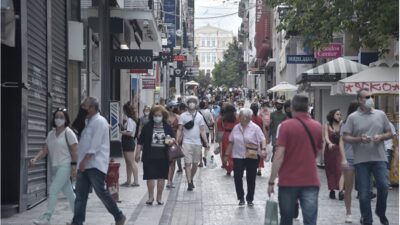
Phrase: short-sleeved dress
{"type": "Point", "coordinates": [332, 163]}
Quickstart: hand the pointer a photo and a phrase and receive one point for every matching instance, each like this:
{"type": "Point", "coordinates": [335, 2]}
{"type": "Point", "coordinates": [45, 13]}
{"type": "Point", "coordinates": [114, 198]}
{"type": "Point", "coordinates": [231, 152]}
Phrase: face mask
{"type": "Point", "coordinates": [192, 105]}
{"type": "Point", "coordinates": [279, 107]}
{"type": "Point", "coordinates": [369, 103]}
{"type": "Point", "coordinates": [146, 113]}
{"type": "Point", "coordinates": [157, 119]}
{"type": "Point", "coordinates": [59, 122]}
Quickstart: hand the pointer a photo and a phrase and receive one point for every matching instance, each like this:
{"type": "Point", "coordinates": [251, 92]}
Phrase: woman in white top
{"type": "Point", "coordinates": [61, 145]}
{"type": "Point", "coordinates": [128, 146]}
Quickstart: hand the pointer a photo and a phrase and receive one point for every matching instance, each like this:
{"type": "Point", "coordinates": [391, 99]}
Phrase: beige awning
{"type": "Point", "coordinates": [192, 83]}
{"type": "Point", "coordinates": [283, 87]}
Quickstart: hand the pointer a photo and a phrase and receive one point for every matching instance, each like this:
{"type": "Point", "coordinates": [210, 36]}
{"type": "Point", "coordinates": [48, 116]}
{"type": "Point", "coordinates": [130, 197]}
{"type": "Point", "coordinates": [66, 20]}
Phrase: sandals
{"type": "Point", "coordinates": [150, 202]}
{"type": "Point", "coordinates": [126, 184]}
{"type": "Point", "coordinates": [160, 202]}
{"type": "Point", "coordinates": [170, 186]}
{"type": "Point", "coordinates": [135, 185]}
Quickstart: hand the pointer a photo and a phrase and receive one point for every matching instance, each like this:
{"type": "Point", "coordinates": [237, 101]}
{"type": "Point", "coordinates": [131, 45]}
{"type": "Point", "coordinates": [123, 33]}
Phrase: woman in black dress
{"type": "Point", "coordinates": [155, 151]}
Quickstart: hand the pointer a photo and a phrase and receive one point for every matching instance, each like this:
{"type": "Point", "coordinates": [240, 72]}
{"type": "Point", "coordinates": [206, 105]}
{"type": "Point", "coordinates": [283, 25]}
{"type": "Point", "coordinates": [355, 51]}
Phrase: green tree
{"type": "Point", "coordinates": [371, 23]}
{"type": "Point", "coordinates": [230, 71]}
{"type": "Point", "coordinates": [203, 79]}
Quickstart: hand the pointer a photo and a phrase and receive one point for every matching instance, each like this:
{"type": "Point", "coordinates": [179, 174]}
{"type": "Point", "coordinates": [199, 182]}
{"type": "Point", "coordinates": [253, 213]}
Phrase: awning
{"type": "Point", "coordinates": [192, 83]}
{"type": "Point", "coordinates": [283, 87]}
{"type": "Point", "coordinates": [382, 77]}
{"type": "Point", "coordinates": [331, 71]}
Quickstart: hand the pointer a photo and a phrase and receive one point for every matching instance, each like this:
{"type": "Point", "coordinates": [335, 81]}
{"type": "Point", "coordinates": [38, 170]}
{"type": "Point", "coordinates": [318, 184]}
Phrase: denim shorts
{"type": "Point", "coordinates": [350, 164]}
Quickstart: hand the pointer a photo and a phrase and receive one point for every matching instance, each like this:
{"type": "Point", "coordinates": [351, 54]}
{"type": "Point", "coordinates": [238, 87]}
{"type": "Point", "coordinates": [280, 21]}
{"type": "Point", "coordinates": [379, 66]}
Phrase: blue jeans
{"type": "Point", "coordinates": [308, 197]}
{"type": "Point", "coordinates": [364, 171]}
{"type": "Point", "coordinates": [60, 182]}
{"type": "Point", "coordinates": [92, 177]}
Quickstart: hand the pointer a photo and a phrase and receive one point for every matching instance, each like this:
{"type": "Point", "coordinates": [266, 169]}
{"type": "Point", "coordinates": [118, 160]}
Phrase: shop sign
{"type": "Point", "coordinates": [148, 84]}
{"type": "Point", "coordinates": [333, 50]}
{"type": "Point", "coordinates": [301, 59]}
{"type": "Point", "coordinates": [179, 58]}
{"type": "Point", "coordinates": [170, 22]}
{"type": "Point", "coordinates": [374, 87]}
{"type": "Point", "coordinates": [132, 59]}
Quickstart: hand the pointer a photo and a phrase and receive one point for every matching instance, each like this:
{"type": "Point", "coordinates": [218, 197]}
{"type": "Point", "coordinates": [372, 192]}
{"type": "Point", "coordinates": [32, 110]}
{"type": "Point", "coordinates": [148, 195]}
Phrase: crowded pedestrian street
{"type": "Point", "coordinates": [213, 202]}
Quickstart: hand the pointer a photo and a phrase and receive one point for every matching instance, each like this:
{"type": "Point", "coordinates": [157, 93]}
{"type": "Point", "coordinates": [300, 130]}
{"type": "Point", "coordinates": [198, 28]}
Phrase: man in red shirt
{"type": "Point", "coordinates": [298, 141]}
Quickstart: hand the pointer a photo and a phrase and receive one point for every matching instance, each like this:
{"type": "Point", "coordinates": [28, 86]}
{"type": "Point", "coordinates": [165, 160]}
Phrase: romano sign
{"type": "Point", "coordinates": [132, 59]}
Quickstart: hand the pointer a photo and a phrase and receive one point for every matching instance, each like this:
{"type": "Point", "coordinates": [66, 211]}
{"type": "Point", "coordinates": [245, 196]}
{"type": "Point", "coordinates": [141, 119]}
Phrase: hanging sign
{"type": "Point", "coordinates": [301, 59]}
{"type": "Point", "coordinates": [333, 50]}
{"type": "Point", "coordinates": [132, 59]}
{"type": "Point", "coordinates": [148, 84]}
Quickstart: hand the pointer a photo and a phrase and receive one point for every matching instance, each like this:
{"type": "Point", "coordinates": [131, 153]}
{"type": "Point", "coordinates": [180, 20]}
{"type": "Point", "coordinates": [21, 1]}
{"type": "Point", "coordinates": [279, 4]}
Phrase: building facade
{"type": "Point", "coordinates": [211, 43]}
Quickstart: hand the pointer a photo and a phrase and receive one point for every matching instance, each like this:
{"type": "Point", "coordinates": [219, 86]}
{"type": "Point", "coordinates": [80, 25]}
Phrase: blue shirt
{"type": "Point", "coordinates": [95, 139]}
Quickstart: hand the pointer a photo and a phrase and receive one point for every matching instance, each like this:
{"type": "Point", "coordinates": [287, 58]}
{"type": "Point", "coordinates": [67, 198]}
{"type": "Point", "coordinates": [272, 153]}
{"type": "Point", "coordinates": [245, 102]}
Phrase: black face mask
{"type": "Point", "coordinates": [279, 107]}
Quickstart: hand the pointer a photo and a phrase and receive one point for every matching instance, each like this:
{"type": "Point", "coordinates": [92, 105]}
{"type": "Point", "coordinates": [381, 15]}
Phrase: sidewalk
{"type": "Point", "coordinates": [213, 202]}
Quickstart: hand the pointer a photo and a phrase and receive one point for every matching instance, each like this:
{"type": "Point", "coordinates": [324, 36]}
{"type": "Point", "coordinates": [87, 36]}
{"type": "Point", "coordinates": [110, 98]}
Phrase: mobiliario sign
{"type": "Point", "coordinates": [132, 59]}
{"type": "Point", "coordinates": [301, 59]}
{"type": "Point", "coordinates": [333, 50]}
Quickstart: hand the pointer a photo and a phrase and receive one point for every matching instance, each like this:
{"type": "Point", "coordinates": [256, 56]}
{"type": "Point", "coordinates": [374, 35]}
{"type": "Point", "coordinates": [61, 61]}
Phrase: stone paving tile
{"type": "Point", "coordinates": [213, 202]}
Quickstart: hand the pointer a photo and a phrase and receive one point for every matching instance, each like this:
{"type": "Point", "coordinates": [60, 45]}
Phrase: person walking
{"type": "Point", "coordinates": [128, 146]}
{"type": "Point", "coordinates": [367, 129]}
{"type": "Point", "coordinates": [255, 118]}
{"type": "Point", "coordinates": [173, 121]}
{"type": "Point", "coordinates": [332, 155]}
{"type": "Point", "coordinates": [298, 141]}
{"type": "Point", "coordinates": [227, 122]}
{"type": "Point", "coordinates": [347, 156]}
{"type": "Point", "coordinates": [209, 122]}
{"type": "Point", "coordinates": [191, 129]}
{"type": "Point", "coordinates": [61, 146]}
{"type": "Point", "coordinates": [246, 146]}
{"type": "Point", "coordinates": [93, 160]}
{"type": "Point", "coordinates": [143, 119]}
{"type": "Point", "coordinates": [155, 160]}
{"type": "Point", "coordinates": [275, 119]}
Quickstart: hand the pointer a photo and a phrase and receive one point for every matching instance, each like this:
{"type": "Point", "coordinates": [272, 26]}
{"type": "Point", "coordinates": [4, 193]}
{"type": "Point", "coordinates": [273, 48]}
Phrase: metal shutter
{"type": "Point", "coordinates": [37, 97]}
{"type": "Point", "coordinates": [59, 58]}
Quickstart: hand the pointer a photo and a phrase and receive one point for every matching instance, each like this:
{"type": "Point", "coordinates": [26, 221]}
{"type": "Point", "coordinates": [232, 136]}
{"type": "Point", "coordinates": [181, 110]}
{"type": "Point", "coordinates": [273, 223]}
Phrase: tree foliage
{"type": "Point", "coordinates": [371, 23]}
{"type": "Point", "coordinates": [203, 79]}
{"type": "Point", "coordinates": [230, 71]}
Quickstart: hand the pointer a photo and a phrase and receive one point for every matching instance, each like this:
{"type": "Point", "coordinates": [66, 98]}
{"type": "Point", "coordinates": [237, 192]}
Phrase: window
{"type": "Point", "coordinates": [203, 42]}
{"type": "Point", "coordinates": [203, 58]}
{"type": "Point", "coordinates": [213, 42]}
{"type": "Point", "coordinates": [214, 58]}
{"type": "Point", "coordinates": [208, 57]}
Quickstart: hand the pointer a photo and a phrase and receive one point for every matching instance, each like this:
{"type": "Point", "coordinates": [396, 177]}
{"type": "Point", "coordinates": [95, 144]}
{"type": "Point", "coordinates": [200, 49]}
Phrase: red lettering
{"type": "Point", "coordinates": [375, 86]}
{"type": "Point", "coordinates": [386, 87]}
{"type": "Point", "coordinates": [348, 88]}
{"type": "Point", "coordinates": [395, 87]}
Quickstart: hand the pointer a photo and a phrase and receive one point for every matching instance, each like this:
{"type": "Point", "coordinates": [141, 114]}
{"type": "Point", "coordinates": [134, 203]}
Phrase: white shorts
{"type": "Point", "coordinates": [192, 153]}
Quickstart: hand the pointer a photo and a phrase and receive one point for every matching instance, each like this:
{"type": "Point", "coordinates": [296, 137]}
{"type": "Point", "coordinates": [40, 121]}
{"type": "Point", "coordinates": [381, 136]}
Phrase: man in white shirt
{"type": "Point", "coordinates": [93, 158]}
{"type": "Point", "coordinates": [191, 126]}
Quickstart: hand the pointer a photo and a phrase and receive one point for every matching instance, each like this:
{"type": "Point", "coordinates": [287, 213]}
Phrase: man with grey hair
{"type": "Point", "coordinates": [367, 129]}
{"type": "Point", "coordinates": [93, 158]}
{"type": "Point", "coordinates": [192, 129]}
{"type": "Point", "coordinates": [298, 142]}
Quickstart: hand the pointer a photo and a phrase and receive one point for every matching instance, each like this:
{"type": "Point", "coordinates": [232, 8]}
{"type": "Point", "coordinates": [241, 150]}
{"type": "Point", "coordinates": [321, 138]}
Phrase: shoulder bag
{"type": "Point", "coordinates": [175, 152]}
{"type": "Point", "coordinates": [309, 135]}
{"type": "Point", "coordinates": [251, 149]}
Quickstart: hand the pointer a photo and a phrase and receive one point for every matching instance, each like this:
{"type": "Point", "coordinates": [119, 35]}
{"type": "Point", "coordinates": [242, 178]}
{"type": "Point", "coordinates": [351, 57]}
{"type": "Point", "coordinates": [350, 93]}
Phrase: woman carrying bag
{"type": "Point", "coordinates": [61, 145]}
{"type": "Point", "coordinates": [152, 141]}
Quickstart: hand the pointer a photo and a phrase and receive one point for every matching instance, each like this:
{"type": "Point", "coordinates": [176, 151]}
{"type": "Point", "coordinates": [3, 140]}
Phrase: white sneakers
{"type": "Point", "coordinates": [348, 219]}
{"type": "Point", "coordinates": [41, 222]}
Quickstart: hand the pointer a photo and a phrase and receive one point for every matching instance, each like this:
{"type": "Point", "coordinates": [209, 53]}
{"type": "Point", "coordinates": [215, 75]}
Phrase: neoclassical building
{"type": "Point", "coordinates": [211, 42]}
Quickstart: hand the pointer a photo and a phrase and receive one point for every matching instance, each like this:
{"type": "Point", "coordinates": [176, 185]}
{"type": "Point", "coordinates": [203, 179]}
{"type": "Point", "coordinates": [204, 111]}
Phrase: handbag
{"type": "Point", "coordinates": [251, 149]}
{"type": "Point", "coordinates": [175, 152]}
{"type": "Point", "coordinates": [271, 213]}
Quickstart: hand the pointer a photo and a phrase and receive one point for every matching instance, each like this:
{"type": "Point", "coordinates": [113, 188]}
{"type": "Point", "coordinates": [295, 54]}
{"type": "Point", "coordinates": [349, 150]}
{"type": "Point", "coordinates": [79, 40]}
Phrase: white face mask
{"type": "Point", "coordinates": [369, 103]}
{"type": "Point", "coordinates": [146, 113]}
{"type": "Point", "coordinates": [192, 105]}
{"type": "Point", "coordinates": [157, 119]}
{"type": "Point", "coordinates": [59, 122]}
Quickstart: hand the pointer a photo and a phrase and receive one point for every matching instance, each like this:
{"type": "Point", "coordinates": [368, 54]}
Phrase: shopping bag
{"type": "Point", "coordinates": [394, 178]}
{"type": "Point", "coordinates": [271, 213]}
{"type": "Point", "coordinates": [211, 164]}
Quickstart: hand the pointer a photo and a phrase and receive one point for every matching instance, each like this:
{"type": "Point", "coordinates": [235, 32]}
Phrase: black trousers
{"type": "Point", "coordinates": [250, 165]}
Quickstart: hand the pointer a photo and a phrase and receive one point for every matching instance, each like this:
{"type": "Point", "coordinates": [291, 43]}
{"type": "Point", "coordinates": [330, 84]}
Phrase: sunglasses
{"type": "Point", "coordinates": [368, 97]}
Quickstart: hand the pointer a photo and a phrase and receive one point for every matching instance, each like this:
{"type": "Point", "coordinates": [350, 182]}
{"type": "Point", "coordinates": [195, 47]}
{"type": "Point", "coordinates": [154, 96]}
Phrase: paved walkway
{"type": "Point", "coordinates": [213, 202]}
